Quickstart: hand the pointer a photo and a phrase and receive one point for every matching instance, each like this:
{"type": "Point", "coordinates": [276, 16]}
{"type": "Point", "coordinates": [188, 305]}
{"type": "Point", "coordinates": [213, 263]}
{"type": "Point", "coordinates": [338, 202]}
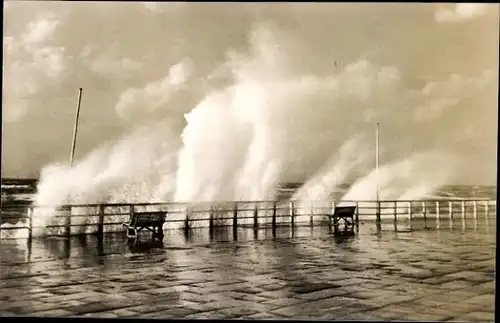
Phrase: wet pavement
{"type": "Point", "coordinates": [306, 273]}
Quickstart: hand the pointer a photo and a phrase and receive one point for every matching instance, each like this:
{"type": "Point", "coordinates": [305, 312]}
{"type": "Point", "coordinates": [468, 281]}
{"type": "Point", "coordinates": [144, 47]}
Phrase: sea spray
{"type": "Point", "coordinates": [127, 171]}
{"type": "Point", "coordinates": [353, 154]}
{"type": "Point", "coordinates": [239, 141]}
{"type": "Point", "coordinates": [410, 178]}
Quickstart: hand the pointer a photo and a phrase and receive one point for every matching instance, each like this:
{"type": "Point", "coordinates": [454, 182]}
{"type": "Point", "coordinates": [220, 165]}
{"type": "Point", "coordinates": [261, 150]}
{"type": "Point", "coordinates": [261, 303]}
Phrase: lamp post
{"type": "Point", "coordinates": [377, 171]}
{"type": "Point", "coordinates": [75, 129]}
{"type": "Point", "coordinates": [377, 160]}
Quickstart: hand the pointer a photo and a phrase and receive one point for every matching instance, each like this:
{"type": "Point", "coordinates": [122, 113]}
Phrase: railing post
{"type": "Point", "coordinates": [437, 211]}
{"type": "Point", "coordinates": [486, 204]}
{"type": "Point", "coordinates": [292, 213]}
{"type": "Point", "coordinates": [30, 222]}
{"type": "Point", "coordinates": [474, 213]}
{"type": "Point", "coordinates": [410, 210]}
{"type": "Point", "coordinates": [463, 209]}
{"type": "Point", "coordinates": [378, 212]}
{"type": "Point", "coordinates": [450, 210]}
{"type": "Point", "coordinates": [211, 217]}
{"type": "Point", "coordinates": [357, 211]}
{"type": "Point", "coordinates": [255, 217]}
{"type": "Point", "coordinates": [186, 220]}
{"type": "Point", "coordinates": [235, 215]}
{"type": "Point", "coordinates": [274, 215]}
{"type": "Point", "coordinates": [332, 213]}
{"type": "Point", "coordinates": [311, 214]}
{"type": "Point", "coordinates": [68, 221]}
{"type": "Point", "coordinates": [100, 225]}
{"type": "Point", "coordinates": [424, 210]}
{"type": "Point", "coordinates": [395, 211]}
{"type": "Point", "coordinates": [131, 211]}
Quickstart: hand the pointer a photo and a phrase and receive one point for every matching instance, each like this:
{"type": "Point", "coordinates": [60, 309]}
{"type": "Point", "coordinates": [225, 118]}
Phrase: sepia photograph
{"type": "Point", "coordinates": [255, 161]}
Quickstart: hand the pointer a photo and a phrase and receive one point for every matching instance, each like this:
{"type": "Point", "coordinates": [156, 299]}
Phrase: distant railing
{"type": "Point", "coordinates": [100, 218]}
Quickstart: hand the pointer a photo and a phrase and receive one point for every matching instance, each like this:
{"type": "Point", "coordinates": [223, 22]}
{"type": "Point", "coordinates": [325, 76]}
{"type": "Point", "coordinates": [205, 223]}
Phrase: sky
{"type": "Point", "coordinates": [428, 73]}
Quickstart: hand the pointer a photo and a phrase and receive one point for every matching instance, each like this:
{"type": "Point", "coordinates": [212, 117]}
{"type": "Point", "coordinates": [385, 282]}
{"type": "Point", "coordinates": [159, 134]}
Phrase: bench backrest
{"type": "Point", "coordinates": [148, 218]}
{"type": "Point", "coordinates": [347, 211]}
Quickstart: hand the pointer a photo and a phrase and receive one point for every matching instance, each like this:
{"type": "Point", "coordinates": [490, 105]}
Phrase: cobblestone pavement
{"type": "Point", "coordinates": [308, 273]}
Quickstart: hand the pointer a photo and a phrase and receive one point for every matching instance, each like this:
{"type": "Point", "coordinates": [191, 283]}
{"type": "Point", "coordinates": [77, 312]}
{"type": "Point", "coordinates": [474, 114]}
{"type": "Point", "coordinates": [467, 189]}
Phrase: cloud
{"type": "Point", "coordinates": [109, 62]}
{"type": "Point", "coordinates": [461, 12]}
{"type": "Point", "coordinates": [437, 96]}
{"type": "Point", "coordinates": [40, 30]}
{"type": "Point", "coordinates": [31, 63]}
{"type": "Point", "coordinates": [134, 101]}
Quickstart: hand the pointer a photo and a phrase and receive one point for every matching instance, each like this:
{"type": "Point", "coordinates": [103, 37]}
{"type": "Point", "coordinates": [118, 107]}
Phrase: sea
{"type": "Point", "coordinates": [17, 194]}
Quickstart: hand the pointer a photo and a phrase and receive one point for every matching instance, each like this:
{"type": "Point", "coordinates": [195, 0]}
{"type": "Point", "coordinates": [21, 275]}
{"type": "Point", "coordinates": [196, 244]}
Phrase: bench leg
{"type": "Point", "coordinates": [160, 231]}
{"type": "Point", "coordinates": [335, 221]}
{"type": "Point", "coordinates": [131, 232]}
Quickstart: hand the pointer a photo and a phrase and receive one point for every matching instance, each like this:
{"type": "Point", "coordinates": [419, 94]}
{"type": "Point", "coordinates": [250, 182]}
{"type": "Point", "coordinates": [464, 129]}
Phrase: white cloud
{"type": "Point", "coordinates": [111, 66]}
{"type": "Point", "coordinates": [461, 12]}
{"type": "Point", "coordinates": [437, 96]}
{"type": "Point", "coordinates": [16, 110]}
{"type": "Point", "coordinates": [31, 62]}
{"type": "Point", "coordinates": [109, 62]}
{"type": "Point", "coordinates": [50, 60]}
{"type": "Point", "coordinates": [155, 94]}
{"type": "Point", "coordinates": [39, 31]}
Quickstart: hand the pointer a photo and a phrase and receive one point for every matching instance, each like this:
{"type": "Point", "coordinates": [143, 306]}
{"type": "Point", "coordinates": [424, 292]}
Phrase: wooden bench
{"type": "Point", "coordinates": [345, 213]}
{"type": "Point", "coordinates": [150, 220]}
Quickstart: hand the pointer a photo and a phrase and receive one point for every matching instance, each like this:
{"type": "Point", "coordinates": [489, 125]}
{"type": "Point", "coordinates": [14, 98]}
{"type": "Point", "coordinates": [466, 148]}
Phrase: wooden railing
{"type": "Point", "coordinates": [100, 218]}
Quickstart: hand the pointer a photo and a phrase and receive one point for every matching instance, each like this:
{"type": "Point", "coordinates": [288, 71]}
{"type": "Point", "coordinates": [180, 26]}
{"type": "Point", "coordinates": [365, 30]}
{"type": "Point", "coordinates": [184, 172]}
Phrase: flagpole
{"type": "Point", "coordinates": [377, 160]}
{"type": "Point", "coordinates": [377, 171]}
{"type": "Point", "coordinates": [75, 129]}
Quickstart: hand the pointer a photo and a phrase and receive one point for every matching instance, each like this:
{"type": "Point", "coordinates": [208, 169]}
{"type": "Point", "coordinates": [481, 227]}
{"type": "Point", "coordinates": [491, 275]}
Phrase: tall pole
{"type": "Point", "coordinates": [75, 129]}
{"type": "Point", "coordinates": [377, 159]}
{"type": "Point", "coordinates": [376, 172]}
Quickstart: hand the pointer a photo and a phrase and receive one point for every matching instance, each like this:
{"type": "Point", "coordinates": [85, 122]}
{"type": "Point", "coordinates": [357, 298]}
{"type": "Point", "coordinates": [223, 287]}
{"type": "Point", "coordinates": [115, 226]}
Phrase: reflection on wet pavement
{"type": "Point", "coordinates": [422, 273]}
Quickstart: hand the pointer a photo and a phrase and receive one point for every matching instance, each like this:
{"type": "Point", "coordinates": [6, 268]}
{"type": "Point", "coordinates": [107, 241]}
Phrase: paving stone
{"type": "Point", "coordinates": [417, 273]}
{"type": "Point", "coordinates": [308, 288]}
{"type": "Point", "coordinates": [148, 308]}
{"type": "Point", "coordinates": [372, 285]}
{"type": "Point", "coordinates": [310, 277]}
{"type": "Point", "coordinates": [283, 302]}
{"type": "Point", "coordinates": [245, 297]}
{"type": "Point", "coordinates": [385, 314]}
{"type": "Point", "coordinates": [262, 316]}
{"type": "Point", "coordinates": [482, 299]}
{"type": "Point", "coordinates": [234, 312]}
{"type": "Point", "coordinates": [175, 312]}
{"type": "Point", "coordinates": [438, 280]}
{"type": "Point", "coordinates": [425, 317]}
{"type": "Point", "coordinates": [272, 287]}
{"type": "Point", "coordinates": [124, 312]}
{"type": "Point", "coordinates": [288, 311]}
{"type": "Point", "coordinates": [207, 315]}
{"type": "Point", "coordinates": [53, 313]}
{"type": "Point", "coordinates": [98, 307]}
{"type": "Point", "coordinates": [456, 284]}
{"type": "Point", "coordinates": [174, 290]}
{"type": "Point", "coordinates": [30, 297]}
{"type": "Point", "coordinates": [478, 317]}
{"type": "Point", "coordinates": [321, 294]}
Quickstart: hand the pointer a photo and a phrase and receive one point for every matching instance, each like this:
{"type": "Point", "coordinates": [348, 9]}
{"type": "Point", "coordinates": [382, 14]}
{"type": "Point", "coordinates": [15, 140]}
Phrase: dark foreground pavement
{"type": "Point", "coordinates": [423, 274]}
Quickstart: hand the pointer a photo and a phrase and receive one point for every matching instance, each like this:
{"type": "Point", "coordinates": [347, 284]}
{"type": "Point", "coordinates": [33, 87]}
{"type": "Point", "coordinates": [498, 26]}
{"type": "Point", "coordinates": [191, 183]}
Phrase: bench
{"type": "Point", "coordinates": [345, 213]}
{"type": "Point", "coordinates": [150, 220]}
